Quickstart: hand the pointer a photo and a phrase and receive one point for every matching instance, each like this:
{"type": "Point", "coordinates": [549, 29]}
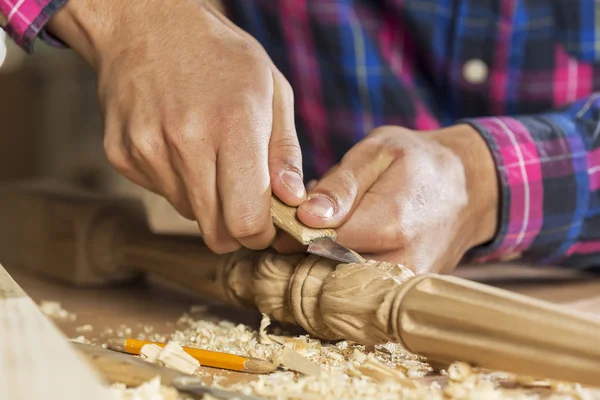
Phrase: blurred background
{"type": "Point", "coordinates": [51, 128]}
{"type": "Point", "coordinates": [50, 123]}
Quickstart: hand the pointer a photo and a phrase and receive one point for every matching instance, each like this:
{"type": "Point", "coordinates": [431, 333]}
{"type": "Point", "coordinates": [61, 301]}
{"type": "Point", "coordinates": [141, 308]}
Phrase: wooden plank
{"type": "Point", "coordinates": [36, 360]}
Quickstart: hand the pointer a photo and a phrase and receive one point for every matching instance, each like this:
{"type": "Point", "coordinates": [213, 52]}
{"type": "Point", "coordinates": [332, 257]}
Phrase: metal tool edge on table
{"type": "Point", "coordinates": [118, 367]}
{"type": "Point", "coordinates": [320, 242]}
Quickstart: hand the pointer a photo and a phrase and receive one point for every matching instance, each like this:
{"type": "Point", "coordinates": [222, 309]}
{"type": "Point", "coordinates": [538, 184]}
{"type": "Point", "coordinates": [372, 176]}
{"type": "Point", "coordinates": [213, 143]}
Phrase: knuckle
{"type": "Point", "coordinates": [286, 150]}
{"type": "Point", "coordinates": [247, 224]}
{"type": "Point", "coordinates": [245, 49]}
{"type": "Point", "coordinates": [146, 145]}
{"type": "Point", "coordinates": [224, 248]}
{"type": "Point", "coordinates": [117, 156]}
{"type": "Point", "coordinates": [285, 86]}
{"type": "Point", "coordinates": [385, 146]}
{"type": "Point", "coordinates": [344, 185]}
{"type": "Point", "coordinates": [180, 204]}
{"type": "Point", "coordinates": [381, 130]}
{"type": "Point", "coordinates": [219, 246]}
{"type": "Point", "coordinates": [392, 237]}
{"type": "Point", "coordinates": [184, 139]}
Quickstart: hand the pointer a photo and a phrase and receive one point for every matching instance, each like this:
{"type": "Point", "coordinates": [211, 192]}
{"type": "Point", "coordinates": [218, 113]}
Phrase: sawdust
{"type": "Point", "coordinates": [54, 310]}
{"type": "Point", "coordinates": [348, 370]}
{"type": "Point", "coordinates": [351, 371]}
{"type": "Point", "coordinates": [151, 390]}
{"type": "Point", "coordinates": [84, 328]}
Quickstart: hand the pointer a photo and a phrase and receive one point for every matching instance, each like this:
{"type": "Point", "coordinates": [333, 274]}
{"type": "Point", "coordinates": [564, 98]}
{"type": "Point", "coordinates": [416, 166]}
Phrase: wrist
{"type": "Point", "coordinates": [85, 26]}
{"type": "Point", "coordinates": [481, 178]}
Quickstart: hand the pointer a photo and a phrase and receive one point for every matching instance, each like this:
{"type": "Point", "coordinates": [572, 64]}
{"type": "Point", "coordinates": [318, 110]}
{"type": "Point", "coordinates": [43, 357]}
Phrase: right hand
{"type": "Point", "coordinates": [194, 110]}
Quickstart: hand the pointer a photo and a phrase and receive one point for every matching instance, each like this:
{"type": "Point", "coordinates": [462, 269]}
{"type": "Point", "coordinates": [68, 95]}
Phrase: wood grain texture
{"type": "Point", "coordinates": [90, 240]}
{"type": "Point", "coordinates": [447, 318]}
{"type": "Point", "coordinates": [36, 360]}
{"type": "Point", "coordinates": [284, 217]}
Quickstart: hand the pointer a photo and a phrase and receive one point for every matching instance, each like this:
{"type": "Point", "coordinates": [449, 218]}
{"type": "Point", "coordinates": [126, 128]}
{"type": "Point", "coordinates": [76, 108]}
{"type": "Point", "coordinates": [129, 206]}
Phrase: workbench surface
{"type": "Point", "coordinates": [149, 303]}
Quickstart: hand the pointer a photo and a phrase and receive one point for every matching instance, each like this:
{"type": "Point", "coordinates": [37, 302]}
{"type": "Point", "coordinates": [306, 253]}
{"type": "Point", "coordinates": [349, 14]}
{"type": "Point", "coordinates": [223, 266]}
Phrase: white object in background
{"type": "Point", "coordinates": [11, 56]}
{"type": "Point", "coordinates": [2, 47]}
{"type": "Point", "coordinates": [37, 361]}
{"type": "Point", "coordinates": [475, 71]}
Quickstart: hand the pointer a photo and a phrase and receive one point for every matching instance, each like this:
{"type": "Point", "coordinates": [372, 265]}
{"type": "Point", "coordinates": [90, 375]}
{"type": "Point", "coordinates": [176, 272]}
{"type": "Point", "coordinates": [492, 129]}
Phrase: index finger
{"type": "Point", "coordinates": [243, 181]}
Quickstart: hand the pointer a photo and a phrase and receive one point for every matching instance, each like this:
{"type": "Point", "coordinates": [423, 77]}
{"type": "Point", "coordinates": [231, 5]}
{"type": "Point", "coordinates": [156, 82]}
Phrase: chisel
{"type": "Point", "coordinates": [319, 241]}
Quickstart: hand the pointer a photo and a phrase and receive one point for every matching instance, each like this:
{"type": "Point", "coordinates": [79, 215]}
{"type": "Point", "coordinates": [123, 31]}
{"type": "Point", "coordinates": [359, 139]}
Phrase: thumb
{"type": "Point", "coordinates": [285, 156]}
{"type": "Point", "coordinates": [335, 197]}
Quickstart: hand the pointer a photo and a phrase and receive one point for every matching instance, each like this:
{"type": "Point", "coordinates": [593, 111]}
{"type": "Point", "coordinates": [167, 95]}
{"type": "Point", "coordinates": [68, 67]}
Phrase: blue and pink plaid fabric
{"type": "Point", "coordinates": [358, 64]}
{"type": "Point", "coordinates": [23, 20]}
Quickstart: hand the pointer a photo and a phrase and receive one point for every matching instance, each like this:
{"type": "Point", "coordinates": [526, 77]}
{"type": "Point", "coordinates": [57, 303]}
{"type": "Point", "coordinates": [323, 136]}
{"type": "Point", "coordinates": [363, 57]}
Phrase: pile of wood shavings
{"type": "Point", "coordinates": [350, 371]}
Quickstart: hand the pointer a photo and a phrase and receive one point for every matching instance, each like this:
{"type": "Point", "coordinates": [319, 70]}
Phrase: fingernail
{"type": "Point", "coordinates": [319, 206]}
{"type": "Point", "coordinates": [293, 181]}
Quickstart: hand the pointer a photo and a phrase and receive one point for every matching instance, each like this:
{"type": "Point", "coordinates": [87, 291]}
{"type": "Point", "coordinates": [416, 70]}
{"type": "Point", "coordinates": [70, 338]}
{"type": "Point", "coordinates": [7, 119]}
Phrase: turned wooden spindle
{"type": "Point", "coordinates": [447, 318]}
{"type": "Point", "coordinates": [86, 240]}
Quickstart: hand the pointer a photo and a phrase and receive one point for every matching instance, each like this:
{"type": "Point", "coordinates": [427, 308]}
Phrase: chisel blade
{"type": "Point", "coordinates": [333, 250]}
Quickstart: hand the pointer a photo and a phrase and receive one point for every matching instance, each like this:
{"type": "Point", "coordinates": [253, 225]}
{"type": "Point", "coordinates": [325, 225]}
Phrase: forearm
{"type": "Point", "coordinates": [95, 28]}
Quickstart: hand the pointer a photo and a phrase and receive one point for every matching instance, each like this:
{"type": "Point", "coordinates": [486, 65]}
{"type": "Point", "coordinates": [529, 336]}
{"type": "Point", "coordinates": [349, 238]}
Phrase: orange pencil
{"type": "Point", "coordinates": [207, 358]}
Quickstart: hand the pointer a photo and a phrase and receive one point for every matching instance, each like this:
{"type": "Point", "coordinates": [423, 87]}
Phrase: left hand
{"type": "Point", "coordinates": [421, 199]}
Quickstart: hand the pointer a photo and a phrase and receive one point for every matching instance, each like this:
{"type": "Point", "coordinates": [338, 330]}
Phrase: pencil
{"type": "Point", "coordinates": [207, 358]}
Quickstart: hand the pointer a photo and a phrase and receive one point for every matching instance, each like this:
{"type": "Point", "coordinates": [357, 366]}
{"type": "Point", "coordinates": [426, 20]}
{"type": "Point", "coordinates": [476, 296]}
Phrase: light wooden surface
{"type": "Point", "coordinates": [36, 362]}
{"type": "Point", "coordinates": [135, 306]}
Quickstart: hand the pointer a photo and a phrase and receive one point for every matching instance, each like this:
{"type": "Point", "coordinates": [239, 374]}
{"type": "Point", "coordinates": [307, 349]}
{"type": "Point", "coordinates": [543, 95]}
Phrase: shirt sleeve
{"type": "Point", "coordinates": [548, 166]}
{"type": "Point", "coordinates": [24, 21]}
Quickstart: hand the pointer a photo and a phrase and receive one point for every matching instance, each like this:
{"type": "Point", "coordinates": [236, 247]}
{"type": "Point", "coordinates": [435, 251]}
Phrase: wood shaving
{"type": "Point", "coordinates": [150, 352]}
{"type": "Point", "coordinates": [80, 339]}
{"type": "Point", "coordinates": [54, 310]}
{"type": "Point", "coordinates": [85, 328]}
{"type": "Point", "coordinates": [262, 331]}
{"type": "Point", "coordinates": [459, 371]}
{"type": "Point", "coordinates": [351, 371]}
{"type": "Point", "coordinates": [172, 356]}
{"type": "Point", "coordinates": [209, 397]}
{"type": "Point", "coordinates": [290, 359]}
{"type": "Point", "coordinates": [151, 390]}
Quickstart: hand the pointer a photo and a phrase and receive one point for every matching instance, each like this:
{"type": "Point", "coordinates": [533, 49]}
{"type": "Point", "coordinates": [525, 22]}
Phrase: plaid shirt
{"type": "Point", "coordinates": [24, 20]}
{"type": "Point", "coordinates": [522, 72]}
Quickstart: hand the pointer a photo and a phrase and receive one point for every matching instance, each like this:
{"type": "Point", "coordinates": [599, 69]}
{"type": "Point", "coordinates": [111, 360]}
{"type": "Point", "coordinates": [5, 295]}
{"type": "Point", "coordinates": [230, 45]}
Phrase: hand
{"type": "Point", "coordinates": [421, 199]}
{"type": "Point", "coordinates": [194, 110]}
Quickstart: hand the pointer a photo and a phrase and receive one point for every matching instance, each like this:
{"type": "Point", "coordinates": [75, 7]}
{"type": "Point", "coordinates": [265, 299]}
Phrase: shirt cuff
{"type": "Point", "coordinates": [24, 21]}
{"type": "Point", "coordinates": [521, 188]}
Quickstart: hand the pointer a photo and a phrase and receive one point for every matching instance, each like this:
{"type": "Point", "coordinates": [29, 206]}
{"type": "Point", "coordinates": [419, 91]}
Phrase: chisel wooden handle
{"type": "Point", "coordinates": [284, 217]}
{"type": "Point", "coordinates": [446, 318]}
